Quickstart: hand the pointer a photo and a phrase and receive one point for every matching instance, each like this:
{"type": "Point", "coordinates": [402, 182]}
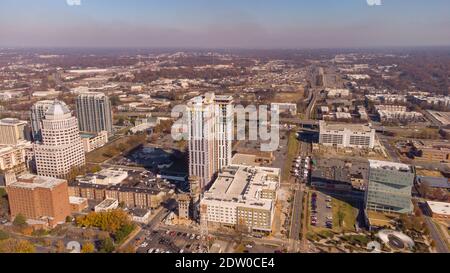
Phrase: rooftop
{"type": "Point", "coordinates": [58, 108]}
{"type": "Point", "coordinates": [107, 203]}
{"type": "Point", "coordinates": [344, 126]}
{"type": "Point", "coordinates": [12, 121]}
{"type": "Point", "coordinates": [77, 200]}
{"type": "Point", "coordinates": [439, 207]}
{"type": "Point", "coordinates": [435, 182]}
{"type": "Point", "coordinates": [392, 166]}
{"type": "Point", "coordinates": [243, 184]}
{"type": "Point", "coordinates": [31, 181]}
{"type": "Point", "coordinates": [92, 94]}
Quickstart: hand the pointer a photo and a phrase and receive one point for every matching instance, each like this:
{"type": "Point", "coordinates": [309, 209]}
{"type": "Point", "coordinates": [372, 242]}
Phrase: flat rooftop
{"type": "Point", "coordinates": [344, 126]}
{"type": "Point", "coordinates": [439, 207]}
{"type": "Point", "coordinates": [76, 200]}
{"type": "Point", "coordinates": [244, 159]}
{"type": "Point", "coordinates": [392, 166]}
{"type": "Point", "coordinates": [107, 203]}
{"type": "Point", "coordinates": [31, 181]}
{"type": "Point", "coordinates": [243, 184]}
{"type": "Point", "coordinates": [12, 121]}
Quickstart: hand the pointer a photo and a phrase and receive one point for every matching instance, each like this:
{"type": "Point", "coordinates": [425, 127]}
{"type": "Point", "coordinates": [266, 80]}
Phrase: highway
{"type": "Point", "coordinates": [299, 190]}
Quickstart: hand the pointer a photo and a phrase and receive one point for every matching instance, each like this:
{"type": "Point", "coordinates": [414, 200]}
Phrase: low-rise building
{"type": "Point", "coordinates": [439, 210]}
{"type": "Point", "coordinates": [242, 197]}
{"type": "Point", "coordinates": [141, 216]}
{"type": "Point", "coordinates": [107, 205]}
{"type": "Point", "coordinates": [347, 135]}
{"type": "Point", "coordinates": [290, 108]}
{"type": "Point", "coordinates": [130, 196]}
{"type": "Point", "coordinates": [394, 113]}
{"type": "Point", "coordinates": [94, 141]}
{"type": "Point", "coordinates": [78, 204]}
{"type": "Point", "coordinates": [105, 177]}
{"type": "Point", "coordinates": [435, 154]}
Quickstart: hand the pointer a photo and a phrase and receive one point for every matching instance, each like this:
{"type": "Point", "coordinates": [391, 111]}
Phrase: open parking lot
{"type": "Point", "coordinates": [321, 210]}
{"type": "Point", "coordinates": [162, 241]}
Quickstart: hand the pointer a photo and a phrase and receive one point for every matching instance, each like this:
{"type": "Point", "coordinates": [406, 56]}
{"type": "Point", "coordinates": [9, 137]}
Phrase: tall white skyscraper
{"type": "Point", "coordinates": [94, 112]}
{"type": "Point", "coordinates": [61, 148]}
{"type": "Point", "coordinates": [210, 129]}
{"type": "Point", "coordinates": [37, 115]}
{"type": "Point", "coordinates": [224, 110]}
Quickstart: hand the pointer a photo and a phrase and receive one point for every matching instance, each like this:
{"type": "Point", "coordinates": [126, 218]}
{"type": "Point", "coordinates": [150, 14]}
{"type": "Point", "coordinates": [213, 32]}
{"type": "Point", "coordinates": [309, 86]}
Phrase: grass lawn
{"type": "Point", "coordinates": [292, 152]}
{"type": "Point", "coordinates": [344, 216]}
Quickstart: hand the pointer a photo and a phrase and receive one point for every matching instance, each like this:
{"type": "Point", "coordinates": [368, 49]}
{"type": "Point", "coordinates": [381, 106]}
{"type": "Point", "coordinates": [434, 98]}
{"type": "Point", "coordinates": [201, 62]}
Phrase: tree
{"type": "Point", "coordinates": [16, 246]}
{"type": "Point", "coordinates": [110, 221]}
{"type": "Point", "coordinates": [107, 246]}
{"type": "Point", "coordinates": [20, 221]}
{"type": "Point", "coordinates": [123, 232]}
{"type": "Point", "coordinates": [88, 247]}
{"type": "Point", "coordinates": [3, 235]}
{"type": "Point", "coordinates": [94, 169]}
{"type": "Point", "coordinates": [60, 247]}
{"type": "Point", "coordinates": [115, 100]}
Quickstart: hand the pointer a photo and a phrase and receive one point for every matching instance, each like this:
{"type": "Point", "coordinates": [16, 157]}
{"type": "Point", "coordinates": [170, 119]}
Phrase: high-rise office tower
{"type": "Point", "coordinates": [37, 115]}
{"type": "Point", "coordinates": [94, 112]}
{"type": "Point", "coordinates": [61, 148]}
{"type": "Point", "coordinates": [210, 129]}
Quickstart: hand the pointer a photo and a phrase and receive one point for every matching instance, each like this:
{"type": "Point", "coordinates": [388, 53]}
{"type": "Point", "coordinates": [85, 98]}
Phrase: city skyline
{"type": "Point", "coordinates": [202, 24]}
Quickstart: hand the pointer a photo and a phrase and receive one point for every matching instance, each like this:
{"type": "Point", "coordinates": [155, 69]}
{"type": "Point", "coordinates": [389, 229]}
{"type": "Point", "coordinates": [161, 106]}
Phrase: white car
{"type": "Point", "coordinates": [150, 250]}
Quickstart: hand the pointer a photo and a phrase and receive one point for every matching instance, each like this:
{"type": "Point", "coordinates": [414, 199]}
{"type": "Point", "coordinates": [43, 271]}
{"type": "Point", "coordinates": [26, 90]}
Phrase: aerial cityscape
{"type": "Point", "coordinates": [249, 135]}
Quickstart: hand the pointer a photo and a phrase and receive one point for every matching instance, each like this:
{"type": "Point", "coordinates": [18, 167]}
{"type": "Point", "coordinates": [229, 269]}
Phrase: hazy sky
{"type": "Point", "coordinates": [224, 23]}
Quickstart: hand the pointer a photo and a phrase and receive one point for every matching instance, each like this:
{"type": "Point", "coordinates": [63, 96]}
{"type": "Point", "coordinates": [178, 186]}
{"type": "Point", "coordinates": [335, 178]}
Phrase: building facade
{"type": "Point", "coordinates": [94, 112]}
{"type": "Point", "coordinates": [38, 111]}
{"type": "Point", "coordinates": [61, 148]}
{"type": "Point", "coordinates": [93, 141]}
{"type": "Point", "coordinates": [390, 187]}
{"type": "Point", "coordinates": [12, 131]}
{"type": "Point", "coordinates": [347, 135]}
{"type": "Point", "coordinates": [184, 204]}
{"type": "Point", "coordinates": [39, 198]}
{"type": "Point", "coordinates": [15, 158]}
{"type": "Point", "coordinates": [210, 129]}
{"type": "Point", "coordinates": [242, 197]}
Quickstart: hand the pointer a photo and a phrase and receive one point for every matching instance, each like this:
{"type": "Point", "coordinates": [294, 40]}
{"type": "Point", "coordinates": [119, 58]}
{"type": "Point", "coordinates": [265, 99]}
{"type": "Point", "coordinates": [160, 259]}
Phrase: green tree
{"type": "Point", "coordinates": [3, 235]}
{"type": "Point", "coordinates": [20, 221]}
{"type": "Point", "coordinates": [107, 246]}
{"type": "Point", "coordinates": [123, 232]}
